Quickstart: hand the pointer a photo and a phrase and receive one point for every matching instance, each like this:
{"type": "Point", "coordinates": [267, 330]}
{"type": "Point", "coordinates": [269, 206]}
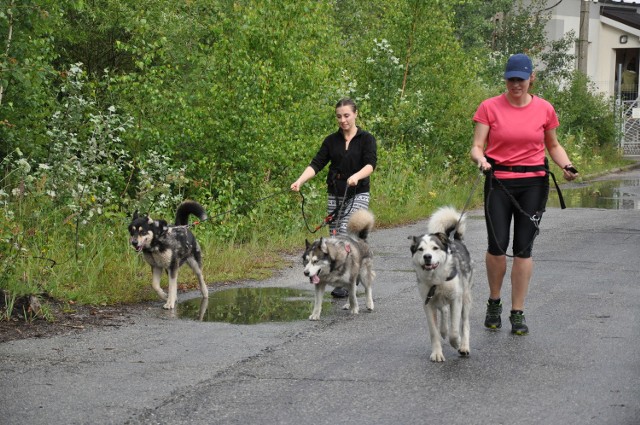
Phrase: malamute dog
{"type": "Point", "coordinates": [342, 261]}
{"type": "Point", "coordinates": [167, 247]}
{"type": "Point", "coordinates": [444, 273]}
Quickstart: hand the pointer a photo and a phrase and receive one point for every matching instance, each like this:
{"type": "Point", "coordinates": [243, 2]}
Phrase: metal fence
{"type": "Point", "coordinates": [630, 120]}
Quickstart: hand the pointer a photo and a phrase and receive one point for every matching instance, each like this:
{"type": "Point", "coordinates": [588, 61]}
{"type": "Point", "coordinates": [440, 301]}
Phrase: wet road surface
{"type": "Point", "coordinates": [579, 364]}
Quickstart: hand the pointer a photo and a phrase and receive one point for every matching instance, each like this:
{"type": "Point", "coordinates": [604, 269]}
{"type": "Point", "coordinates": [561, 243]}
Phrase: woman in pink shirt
{"type": "Point", "coordinates": [511, 133]}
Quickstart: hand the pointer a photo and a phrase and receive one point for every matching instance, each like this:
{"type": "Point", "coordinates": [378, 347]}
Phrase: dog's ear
{"type": "Point", "coordinates": [444, 239]}
{"type": "Point", "coordinates": [323, 245]}
{"type": "Point", "coordinates": [135, 215]}
{"type": "Point", "coordinates": [415, 241]}
{"type": "Point", "coordinates": [306, 244]}
{"type": "Point", "coordinates": [161, 225]}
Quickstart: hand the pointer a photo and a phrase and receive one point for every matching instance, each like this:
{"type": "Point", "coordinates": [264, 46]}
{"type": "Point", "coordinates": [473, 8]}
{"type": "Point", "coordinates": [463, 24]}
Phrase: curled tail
{"type": "Point", "coordinates": [189, 207]}
{"type": "Point", "coordinates": [360, 224]}
{"type": "Point", "coordinates": [447, 220]}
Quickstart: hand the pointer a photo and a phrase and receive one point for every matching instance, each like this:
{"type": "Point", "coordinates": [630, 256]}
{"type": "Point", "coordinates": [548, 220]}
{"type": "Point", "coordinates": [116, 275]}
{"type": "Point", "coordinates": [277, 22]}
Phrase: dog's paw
{"type": "Point", "coordinates": [437, 356]}
{"type": "Point", "coordinates": [464, 352]}
{"type": "Point", "coordinates": [314, 317]}
{"type": "Point", "coordinates": [354, 310]}
{"type": "Point", "coordinates": [169, 306]}
{"type": "Point", "coordinates": [455, 342]}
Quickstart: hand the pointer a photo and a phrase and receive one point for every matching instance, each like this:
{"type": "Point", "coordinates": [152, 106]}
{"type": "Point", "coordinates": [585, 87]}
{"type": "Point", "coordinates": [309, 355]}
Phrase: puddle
{"type": "Point", "coordinates": [247, 306]}
{"type": "Point", "coordinates": [607, 194]}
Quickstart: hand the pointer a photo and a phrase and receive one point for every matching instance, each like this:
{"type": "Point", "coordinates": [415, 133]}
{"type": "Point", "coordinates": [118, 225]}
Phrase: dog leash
{"type": "Point", "coordinates": [466, 204]}
{"type": "Point", "coordinates": [336, 214]}
{"type": "Point", "coordinates": [342, 202]}
{"type": "Point", "coordinates": [432, 290]}
{"type": "Point", "coordinates": [535, 219]}
{"type": "Point", "coordinates": [328, 219]}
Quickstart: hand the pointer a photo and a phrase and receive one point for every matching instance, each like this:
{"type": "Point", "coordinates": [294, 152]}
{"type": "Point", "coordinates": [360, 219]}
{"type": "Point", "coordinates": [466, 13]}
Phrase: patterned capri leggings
{"type": "Point", "coordinates": [358, 202]}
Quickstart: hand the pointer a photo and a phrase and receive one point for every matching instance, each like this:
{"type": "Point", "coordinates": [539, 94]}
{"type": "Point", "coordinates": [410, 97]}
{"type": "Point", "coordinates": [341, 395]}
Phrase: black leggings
{"type": "Point", "coordinates": [531, 194]}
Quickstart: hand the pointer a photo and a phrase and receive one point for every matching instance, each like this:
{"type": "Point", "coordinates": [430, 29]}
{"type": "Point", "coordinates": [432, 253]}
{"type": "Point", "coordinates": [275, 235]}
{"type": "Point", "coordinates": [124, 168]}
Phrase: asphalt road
{"type": "Point", "coordinates": [578, 365]}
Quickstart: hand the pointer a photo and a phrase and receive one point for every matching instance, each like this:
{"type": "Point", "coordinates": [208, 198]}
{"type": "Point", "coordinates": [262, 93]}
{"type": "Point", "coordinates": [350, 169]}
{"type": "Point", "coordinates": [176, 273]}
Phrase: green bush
{"type": "Point", "coordinates": [226, 103]}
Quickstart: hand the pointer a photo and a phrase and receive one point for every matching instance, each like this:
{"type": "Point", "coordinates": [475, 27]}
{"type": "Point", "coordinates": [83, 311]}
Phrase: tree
{"type": "Point", "coordinates": [26, 72]}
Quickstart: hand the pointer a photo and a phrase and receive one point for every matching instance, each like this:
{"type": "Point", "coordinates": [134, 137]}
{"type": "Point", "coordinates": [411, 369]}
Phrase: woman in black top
{"type": "Point", "coordinates": [352, 153]}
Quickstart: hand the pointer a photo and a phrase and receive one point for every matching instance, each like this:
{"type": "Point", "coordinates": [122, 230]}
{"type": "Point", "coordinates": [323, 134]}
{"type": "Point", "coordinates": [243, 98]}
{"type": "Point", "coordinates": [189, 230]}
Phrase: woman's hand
{"type": "Point", "coordinates": [352, 181]}
{"type": "Point", "coordinates": [569, 172]}
{"type": "Point", "coordinates": [483, 165]}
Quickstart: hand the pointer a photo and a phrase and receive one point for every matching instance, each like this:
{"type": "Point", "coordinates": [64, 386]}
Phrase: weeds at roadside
{"type": "Point", "coordinates": [96, 265]}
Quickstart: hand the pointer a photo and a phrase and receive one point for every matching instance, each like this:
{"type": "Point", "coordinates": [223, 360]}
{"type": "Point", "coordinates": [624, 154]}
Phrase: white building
{"type": "Point", "coordinates": [608, 51]}
{"type": "Point", "coordinates": [613, 37]}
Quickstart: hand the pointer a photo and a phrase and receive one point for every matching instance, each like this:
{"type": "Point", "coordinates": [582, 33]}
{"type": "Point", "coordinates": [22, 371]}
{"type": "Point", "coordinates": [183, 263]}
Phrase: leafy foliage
{"type": "Point", "coordinates": [107, 107]}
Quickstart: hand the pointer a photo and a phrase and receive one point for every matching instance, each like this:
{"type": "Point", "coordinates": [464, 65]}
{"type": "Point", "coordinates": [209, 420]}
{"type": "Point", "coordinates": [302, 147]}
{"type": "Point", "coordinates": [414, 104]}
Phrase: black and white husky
{"type": "Point", "coordinates": [444, 273]}
{"type": "Point", "coordinates": [167, 247]}
{"type": "Point", "coordinates": [342, 261]}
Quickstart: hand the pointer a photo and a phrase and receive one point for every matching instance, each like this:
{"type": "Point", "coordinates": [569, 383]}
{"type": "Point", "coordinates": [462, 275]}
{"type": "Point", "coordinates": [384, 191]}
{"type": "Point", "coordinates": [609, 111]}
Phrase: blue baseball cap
{"type": "Point", "coordinates": [518, 66]}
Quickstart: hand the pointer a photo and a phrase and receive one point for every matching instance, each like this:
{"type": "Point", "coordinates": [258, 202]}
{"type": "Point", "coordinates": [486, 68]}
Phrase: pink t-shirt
{"type": "Point", "coordinates": [516, 135]}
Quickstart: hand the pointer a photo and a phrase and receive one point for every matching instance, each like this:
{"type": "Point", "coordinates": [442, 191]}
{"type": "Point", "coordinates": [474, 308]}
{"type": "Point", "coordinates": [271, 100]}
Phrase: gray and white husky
{"type": "Point", "coordinates": [342, 261]}
{"type": "Point", "coordinates": [167, 247]}
{"type": "Point", "coordinates": [444, 273]}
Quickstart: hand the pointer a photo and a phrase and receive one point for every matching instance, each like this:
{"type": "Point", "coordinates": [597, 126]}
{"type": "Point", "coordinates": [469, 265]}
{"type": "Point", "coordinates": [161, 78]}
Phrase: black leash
{"type": "Point", "coordinates": [335, 215]}
{"type": "Point", "coordinates": [535, 219]}
{"type": "Point", "coordinates": [341, 205]}
{"type": "Point", "coordinates": [328, 219]}
{"type": "Point", "coordinates": [466, 204]}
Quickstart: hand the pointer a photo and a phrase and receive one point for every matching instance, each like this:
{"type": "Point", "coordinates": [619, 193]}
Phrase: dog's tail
{"type": "Point", "coordinates": [447, 220]}
{"type": "Point", "coordinates": [360, 224]}
{"type": "Point", "coordinates": [189, 207]}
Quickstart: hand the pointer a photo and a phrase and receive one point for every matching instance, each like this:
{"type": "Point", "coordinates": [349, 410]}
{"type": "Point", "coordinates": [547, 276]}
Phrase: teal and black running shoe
{"type": "Point", "coordinates": [518, 324]}
{"type": "Point", "coordinates": [492, 320]}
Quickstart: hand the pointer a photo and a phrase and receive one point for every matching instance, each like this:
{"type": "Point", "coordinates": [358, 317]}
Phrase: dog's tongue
{"type": "Point", "coordinates": [432, 266]}
{"type": "Point", "coordinates": [314, 279]}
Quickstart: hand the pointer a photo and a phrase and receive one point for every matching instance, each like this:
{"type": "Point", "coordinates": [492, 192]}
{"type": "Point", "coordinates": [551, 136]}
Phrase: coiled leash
{"type": "Point", "coordinates": [335, 215]}
{"type": "Point", "coordinates": [328, 219]}
{"type": "Point", "coordinates": [535, 218]}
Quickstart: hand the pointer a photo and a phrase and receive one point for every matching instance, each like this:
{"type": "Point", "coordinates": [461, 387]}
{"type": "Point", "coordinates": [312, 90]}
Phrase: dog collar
{"type": "Point", "coordinates": [432, 290]}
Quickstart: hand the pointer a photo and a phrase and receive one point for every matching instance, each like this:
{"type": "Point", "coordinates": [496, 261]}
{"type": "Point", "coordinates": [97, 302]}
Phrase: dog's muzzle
{"type": "Point", "coordinates": [314, 280]}
{"type": "Point", "coordinates": [134, 244]}
{"type": "Point", "coordinates": [428, 265]}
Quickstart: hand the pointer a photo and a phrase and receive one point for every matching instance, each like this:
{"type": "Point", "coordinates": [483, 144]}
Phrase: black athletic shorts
{"type": "Point", "coordinates": [531, 195]}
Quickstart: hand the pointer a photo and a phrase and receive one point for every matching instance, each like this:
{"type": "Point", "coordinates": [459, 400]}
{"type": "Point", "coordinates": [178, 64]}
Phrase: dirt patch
{"type": "Point", "coordinates": [62, 319]}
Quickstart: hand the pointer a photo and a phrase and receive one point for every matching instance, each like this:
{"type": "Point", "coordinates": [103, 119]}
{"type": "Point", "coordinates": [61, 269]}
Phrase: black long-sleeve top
{"type": "Point", "coordinates": [344, 163]}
